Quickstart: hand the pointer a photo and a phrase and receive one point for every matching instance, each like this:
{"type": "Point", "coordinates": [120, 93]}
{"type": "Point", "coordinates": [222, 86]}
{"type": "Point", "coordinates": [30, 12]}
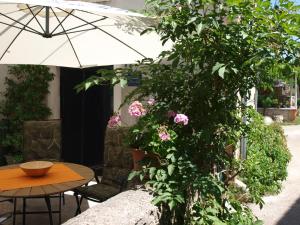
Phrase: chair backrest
{"type": "Point", "coordinates": [117, 157]}
{"type": "Point", "coordinates": [42, 140]}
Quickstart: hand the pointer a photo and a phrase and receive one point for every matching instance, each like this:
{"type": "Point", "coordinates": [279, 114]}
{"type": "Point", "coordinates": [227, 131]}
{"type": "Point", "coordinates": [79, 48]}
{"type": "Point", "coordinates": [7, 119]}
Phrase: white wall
{"type": "Point", "coordinates": [53, 98]}
{"type": "Point", "coordinates": [127, 4]}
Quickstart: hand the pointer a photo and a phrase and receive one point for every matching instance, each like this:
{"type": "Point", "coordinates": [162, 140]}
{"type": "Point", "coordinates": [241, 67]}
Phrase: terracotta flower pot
{"type": "Point", "coordinates": [137, 155]}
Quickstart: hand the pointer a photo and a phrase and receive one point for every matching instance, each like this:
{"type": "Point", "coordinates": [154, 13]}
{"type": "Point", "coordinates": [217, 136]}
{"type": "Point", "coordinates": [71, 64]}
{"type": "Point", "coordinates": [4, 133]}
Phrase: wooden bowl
{"type": "Point", "coordinates": [36, 168]}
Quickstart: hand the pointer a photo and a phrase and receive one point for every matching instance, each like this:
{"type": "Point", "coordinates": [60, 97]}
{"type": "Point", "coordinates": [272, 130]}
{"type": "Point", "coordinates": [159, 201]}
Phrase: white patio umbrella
{"type": "Point", "coordinates": [73, 34]}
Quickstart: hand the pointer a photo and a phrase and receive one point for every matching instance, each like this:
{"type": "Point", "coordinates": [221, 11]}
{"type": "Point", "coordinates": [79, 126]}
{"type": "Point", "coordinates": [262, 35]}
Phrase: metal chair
{"type": "Point", "coordinates": [117, 166]}
{"type": "Point", "coordinates": [113, 181]}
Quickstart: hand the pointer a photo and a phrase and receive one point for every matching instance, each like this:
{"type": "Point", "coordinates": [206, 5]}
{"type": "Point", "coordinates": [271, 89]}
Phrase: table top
{"type": "Point", "coordinates": [50, 189]}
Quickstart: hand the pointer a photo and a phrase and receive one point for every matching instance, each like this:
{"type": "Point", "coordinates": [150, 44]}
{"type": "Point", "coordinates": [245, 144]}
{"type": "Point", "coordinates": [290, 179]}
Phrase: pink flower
{"type": "Point", "coordinates": [163, 133]}
{"type": "Point", "coordinates": [181, 119]}
{"type": "Point", "coordinates": [136, 109]}
{"type": "Point", "coordinates": [165, 136]}
{"type": "Point", "coordinates": [114, 121]}
{"type": "Point", "coordinates": [171, 114]}
{"type": "Point", "coordinates": [151, 101]}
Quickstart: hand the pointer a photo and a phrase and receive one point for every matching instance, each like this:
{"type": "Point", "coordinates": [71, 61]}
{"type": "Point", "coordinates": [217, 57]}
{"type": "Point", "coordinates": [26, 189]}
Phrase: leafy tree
{"type": "Point", "coordinates": [222, 49]}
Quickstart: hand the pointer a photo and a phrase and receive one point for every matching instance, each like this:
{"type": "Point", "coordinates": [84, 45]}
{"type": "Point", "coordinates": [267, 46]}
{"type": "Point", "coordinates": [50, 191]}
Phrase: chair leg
{"type": "Point", "coordinates": [14, 212]}
{"type": "Point", "coordinates": [24, 211]}
{"type": "Point", "coordinates": [78, 210]}
{"type": "Point", "coordinates": [63, 198]}
{"type": "Point", "coordinates": [48, 203]}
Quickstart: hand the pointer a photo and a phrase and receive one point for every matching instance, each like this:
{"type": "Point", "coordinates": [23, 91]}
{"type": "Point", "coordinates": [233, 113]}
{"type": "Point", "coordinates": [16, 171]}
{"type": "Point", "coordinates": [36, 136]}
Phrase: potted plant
{"type": "Point", "coordinates": [137, 134]}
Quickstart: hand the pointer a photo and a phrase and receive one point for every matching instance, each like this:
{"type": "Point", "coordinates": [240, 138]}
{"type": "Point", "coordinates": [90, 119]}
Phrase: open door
{"type": "Point", "coordinates": [84, 117]}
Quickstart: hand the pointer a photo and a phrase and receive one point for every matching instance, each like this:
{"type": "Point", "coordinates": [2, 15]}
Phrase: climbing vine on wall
{"type": "Point", "coordinates": [24, 99]}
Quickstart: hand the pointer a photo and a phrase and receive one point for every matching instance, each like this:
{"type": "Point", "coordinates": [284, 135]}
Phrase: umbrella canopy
{"type": "Point", "coordinates": [73, 34]}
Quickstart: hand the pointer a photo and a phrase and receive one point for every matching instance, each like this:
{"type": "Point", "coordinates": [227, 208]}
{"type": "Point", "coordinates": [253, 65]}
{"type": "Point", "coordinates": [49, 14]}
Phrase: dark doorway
{"type": "Point", "coordinates": [84, 116]}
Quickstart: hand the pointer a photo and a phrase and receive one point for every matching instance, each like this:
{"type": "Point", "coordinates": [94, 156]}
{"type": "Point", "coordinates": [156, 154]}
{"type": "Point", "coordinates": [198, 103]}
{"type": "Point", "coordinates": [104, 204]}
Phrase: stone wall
{"type": "Point", "coordinates": [132, 207]}
{"type": "Point", "coordinates": [116, 154]}
{"type": "Point", "coordinates": [42, 140]}
{"type": "Point", "coordinates": [287, 113]}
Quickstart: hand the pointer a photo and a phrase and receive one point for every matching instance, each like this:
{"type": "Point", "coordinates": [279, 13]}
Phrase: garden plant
{"type": "Point", "coordinates": [199, 90]}
{"type": "Point", "coordinates": [24, 99]}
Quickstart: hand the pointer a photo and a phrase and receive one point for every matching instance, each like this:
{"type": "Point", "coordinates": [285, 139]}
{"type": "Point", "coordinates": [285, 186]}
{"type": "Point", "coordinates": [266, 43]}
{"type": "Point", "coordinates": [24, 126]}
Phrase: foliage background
{"type": "Point", "coordinates": [267, 158]}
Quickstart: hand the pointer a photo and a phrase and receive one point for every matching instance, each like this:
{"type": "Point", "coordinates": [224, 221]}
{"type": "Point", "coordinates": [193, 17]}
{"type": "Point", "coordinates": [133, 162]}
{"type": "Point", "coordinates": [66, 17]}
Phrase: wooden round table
{"type": "Point", "coordinates": [45, 191]}
{"type": "Point", "coordinates": [40, 191]}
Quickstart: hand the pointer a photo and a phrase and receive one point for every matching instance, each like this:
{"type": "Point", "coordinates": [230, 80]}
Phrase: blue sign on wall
{"type": "Point", "coordinates": [133, 81]}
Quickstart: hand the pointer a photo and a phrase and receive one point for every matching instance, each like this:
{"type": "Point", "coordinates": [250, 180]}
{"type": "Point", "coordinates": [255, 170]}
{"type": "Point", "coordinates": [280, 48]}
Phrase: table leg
{"type": "Point", "coordinates": [24, 211]}
{"type": "Point", "coordinates": [47, 199]}
{"type": "Point", "coordinates": [14, 212]}
{"type": "Point", "coordinates": [59, 214]}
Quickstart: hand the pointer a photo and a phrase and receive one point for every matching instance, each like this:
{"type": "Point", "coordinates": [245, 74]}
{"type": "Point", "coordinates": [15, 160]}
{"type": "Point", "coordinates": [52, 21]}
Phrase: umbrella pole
{"type": "Point", "coordinates": [47, 33]}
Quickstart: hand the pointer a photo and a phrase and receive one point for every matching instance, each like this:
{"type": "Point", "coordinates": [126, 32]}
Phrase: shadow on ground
{"type": "Point", "coordinates": [68, 210]}
{"type": "Point", "coordinates": [292, 216]}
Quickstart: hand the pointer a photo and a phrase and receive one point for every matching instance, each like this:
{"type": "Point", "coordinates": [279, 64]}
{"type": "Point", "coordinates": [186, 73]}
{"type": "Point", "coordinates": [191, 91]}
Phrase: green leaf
{"type": "Point", "coordinates": [199, 28]}
{"type": "Point", "coordinates": [222, 71]}
{"type": "Point", "coordinates": [152, 171]}
{"type": "Point", "coordinates": [171, 169]}
{"type": "Point", "coordinates": [235, 70]}
{"type": "Point", "coordinates": [244, 35]}
{"type": "Point", "coordinates": [123, 82]}
{"type": "Point", "coordinates": [259, 222]}
{"type": "Point", "coordinates": [87, 85]}
{"type": "Point", "coordinates": [193, 19]}
{"type": "Point", "coordinates": [132, 175]}
{"type": "Point", "coordinates": [217, 66]}
{"type": "Point", "coordinates": [114, 80]}
{"type": "Point", "coordinates": [172, 204]}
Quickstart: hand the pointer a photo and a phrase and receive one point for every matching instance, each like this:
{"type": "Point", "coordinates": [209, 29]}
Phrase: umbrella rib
{"type": "Point", "coordinates": [20, 28]}
{"type": "Point", "coordinates": [117, 39]}
{"type": "Point", "coordinates": [60, 22]}
{"type": "Point", "coordinates": [72, 32]}
{"type": "Point", "coordinates": [19, 22]}
{"type": "Point", "coordinates": [73, 28]}
{"type": "Point", "coordinates": [35, 17]}
{"type": "Point", "coordinates": [14, 39]}
{"type": "Point", "coordinates": [67, 37]}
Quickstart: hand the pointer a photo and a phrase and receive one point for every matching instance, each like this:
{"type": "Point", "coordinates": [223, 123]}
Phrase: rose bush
{"type": "Point", "coordinates": [222, 49]}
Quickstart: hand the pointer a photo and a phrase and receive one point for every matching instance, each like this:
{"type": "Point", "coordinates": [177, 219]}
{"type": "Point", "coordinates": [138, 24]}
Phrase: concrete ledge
{"type": "Point", "coordinates": [131, 207]}
{"type": "Point", "coordinates": [289, 114]}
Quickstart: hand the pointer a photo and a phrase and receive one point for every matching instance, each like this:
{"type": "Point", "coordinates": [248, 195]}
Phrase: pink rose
{"type": "Point", "coordinates": [114, 121]}
{"type": "Point", "coordinates": [151, 101]}
{"type": "Point", "coordinates": [136, 109]}
{"type": "Point", "coordinates": [163, 133]}
{"type": "Point", "coordinates": [171, 114]}
{"type": "Point", "coordinates": [164, 136]}
{"type": "Point", "coordinates": [181, 119]}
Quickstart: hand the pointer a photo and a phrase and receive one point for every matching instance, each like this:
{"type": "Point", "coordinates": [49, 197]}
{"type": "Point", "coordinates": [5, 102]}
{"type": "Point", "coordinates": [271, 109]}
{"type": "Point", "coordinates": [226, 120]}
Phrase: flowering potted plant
{"type": "Point", "coordinates": [151, 135]}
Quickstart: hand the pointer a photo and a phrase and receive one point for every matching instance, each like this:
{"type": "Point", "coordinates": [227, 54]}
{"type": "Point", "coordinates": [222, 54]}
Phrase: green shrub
{"type": "Point", "coordinates": [26, 89]}
{"type": "Point", "coordinates": [267, 158]}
